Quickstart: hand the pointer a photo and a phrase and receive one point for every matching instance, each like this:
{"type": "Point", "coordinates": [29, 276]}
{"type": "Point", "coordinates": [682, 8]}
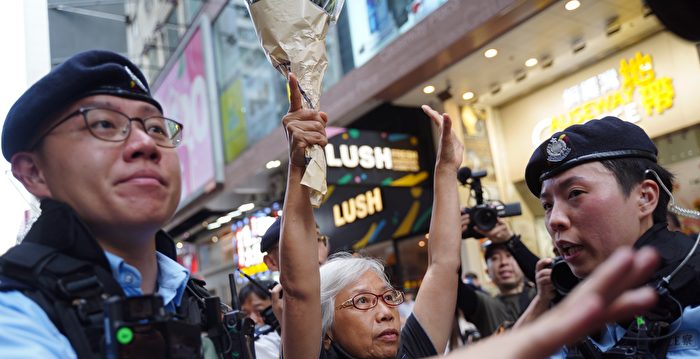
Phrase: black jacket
{"type": "Point", "coordinates": [60, 266]}
{"type": "Point", "coordinates": [673, 247]}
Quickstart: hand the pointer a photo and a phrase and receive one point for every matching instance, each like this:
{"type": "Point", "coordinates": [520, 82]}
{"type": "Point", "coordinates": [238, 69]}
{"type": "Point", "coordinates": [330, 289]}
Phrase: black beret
{"type": "Point", "coordinates": [94, 72]}
{"type": "Point", "coordinates": [596, 140]}
{"type": "Point", "coordinates": [271, 238]}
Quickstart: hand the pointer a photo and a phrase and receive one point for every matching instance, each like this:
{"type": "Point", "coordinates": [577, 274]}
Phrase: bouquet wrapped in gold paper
{"type": "Point", "coordinates": [293, 36]}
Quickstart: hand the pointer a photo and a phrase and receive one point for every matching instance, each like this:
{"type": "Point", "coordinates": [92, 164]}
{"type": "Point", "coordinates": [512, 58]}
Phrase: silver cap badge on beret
{"type": "Point", "coordinates": [558, 148]}
{"type": "Point", "coordinates": [135, 80]}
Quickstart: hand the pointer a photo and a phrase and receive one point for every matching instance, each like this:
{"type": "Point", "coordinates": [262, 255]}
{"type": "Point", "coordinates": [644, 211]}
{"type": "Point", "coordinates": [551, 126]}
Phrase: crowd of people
{"type": "Point", "coordinates": [91, 143]}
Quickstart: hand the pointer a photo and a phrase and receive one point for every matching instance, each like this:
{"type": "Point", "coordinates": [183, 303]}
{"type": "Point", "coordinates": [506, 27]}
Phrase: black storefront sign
{"type": "Point", "coordinates": [380, 187]}
{"type": "Point", "coordinates": [362, 215]}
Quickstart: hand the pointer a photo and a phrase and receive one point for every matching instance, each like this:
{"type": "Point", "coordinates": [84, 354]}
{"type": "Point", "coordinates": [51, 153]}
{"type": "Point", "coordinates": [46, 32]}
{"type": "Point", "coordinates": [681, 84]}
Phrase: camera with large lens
{"type": "Point", "coordinates": [483, 216]}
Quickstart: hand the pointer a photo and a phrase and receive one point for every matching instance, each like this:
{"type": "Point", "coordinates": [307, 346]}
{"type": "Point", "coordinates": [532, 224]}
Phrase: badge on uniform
{"type": "Point", "coordinates": [135, 80]}
{"type": "Point", "coordinates": [558, 148]}
{"type": "Point", "coordinates": [684, 340]}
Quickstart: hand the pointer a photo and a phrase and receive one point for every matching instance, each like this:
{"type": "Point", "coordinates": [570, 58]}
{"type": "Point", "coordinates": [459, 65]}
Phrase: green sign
{"type": "Point", "coordinates": [233, 121]}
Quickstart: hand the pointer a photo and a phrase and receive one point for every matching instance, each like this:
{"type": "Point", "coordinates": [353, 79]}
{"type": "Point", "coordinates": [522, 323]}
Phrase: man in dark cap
{"type": "Point", "coordinates": [91, 143]}
{"type": "Point", "coordinates": [487, 313]}
{"type": "Point", "coordinates": [269, 245]}
{"type": "Point", "coordinates": [601, 189]}
{"type": "Point", "coordinates": [256, 303]}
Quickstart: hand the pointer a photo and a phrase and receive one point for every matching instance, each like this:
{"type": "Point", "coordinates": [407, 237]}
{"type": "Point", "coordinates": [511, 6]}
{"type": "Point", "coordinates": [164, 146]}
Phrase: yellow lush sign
{"type": "Point", "coordinates": [358, 207]}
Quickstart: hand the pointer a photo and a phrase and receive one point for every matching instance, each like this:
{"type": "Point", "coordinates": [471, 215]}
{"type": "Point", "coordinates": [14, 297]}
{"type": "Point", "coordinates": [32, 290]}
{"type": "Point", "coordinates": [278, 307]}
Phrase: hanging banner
{"type": "Point", "coordinates": [185, 90]}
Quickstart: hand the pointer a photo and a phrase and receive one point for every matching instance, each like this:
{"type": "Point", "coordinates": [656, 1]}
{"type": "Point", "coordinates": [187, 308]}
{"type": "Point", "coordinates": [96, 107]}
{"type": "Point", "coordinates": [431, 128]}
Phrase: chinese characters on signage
{"type": "Point", "coordinates": [612, 93]}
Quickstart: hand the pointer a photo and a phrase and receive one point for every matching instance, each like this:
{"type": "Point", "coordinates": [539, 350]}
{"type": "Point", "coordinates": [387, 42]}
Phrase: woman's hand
{"type": "Point", "coordinates": [436, 300]}
{"type": "Point", "coordinates": [303, 127]}
{"type": "Point", "coordinates": [450, 150]}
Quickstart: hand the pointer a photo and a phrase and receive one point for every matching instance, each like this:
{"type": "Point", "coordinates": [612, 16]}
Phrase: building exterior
{"type": "Point", "coordinates": [563, 66]}
{"type": "Point", "coordinates": [79, 25]}
{"type": "Point", "coordinates": [382, 54]}
{"type": "Point", "coordinates": [238, 130]}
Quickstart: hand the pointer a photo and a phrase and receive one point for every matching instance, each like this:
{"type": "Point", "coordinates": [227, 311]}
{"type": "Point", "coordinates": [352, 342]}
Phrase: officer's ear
{"type": "Point", "coordinates": [648, 197]}
{"type": "Point", "coordinates": [26, 170]}
{"type": "Point", "coordinates": [271, 260]}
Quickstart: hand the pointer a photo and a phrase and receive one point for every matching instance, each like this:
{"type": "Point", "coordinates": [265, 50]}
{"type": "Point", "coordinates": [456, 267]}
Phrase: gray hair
{"type": "Point", "coordinates": [341, 270]}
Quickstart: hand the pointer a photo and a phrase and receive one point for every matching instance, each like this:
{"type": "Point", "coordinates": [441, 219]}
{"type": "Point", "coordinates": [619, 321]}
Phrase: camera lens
{"type": "Point", "coordinates": [485, 218]}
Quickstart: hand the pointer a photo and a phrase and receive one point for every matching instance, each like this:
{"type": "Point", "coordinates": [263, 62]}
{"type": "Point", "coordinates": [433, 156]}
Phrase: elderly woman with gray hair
{"type": "Point", "coordinates": [348, 309]}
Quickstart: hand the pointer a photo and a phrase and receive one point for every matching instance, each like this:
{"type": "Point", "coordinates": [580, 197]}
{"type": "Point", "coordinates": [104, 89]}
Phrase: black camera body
{"type": "Point", "coordinates": [483, 216]}
{"type": "Point", "coordinates": [139, 327]}
{"type": "Point", "coordinates": [271, 322]}
{"type": "Point", "coordinates": [563, 279]}
{"type": "Point", "coordinates": [268, 315]}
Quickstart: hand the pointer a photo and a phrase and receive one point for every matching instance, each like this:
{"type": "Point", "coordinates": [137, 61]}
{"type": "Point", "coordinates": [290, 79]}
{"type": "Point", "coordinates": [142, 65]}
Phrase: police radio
{"type": "Point", "coordinates": [139, 327]}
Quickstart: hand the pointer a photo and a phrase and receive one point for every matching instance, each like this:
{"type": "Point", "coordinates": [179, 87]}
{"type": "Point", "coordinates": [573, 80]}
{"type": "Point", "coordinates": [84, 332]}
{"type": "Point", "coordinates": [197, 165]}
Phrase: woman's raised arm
{"type": "Point", "coordinates": [299, 268]}
{"type": "Point", "coordinates": [437, 297]}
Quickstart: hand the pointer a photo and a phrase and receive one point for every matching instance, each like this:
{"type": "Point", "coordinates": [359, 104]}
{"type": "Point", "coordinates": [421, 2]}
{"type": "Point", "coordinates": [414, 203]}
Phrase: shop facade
{"type": "Point", "coordinates": [380, 189]}
{"type": "Point", "coordinates": [605, 58]}
{"type": "Point", "coordinates": [236, 168]}
{"type": "Point", "coordinates": [651, 83]}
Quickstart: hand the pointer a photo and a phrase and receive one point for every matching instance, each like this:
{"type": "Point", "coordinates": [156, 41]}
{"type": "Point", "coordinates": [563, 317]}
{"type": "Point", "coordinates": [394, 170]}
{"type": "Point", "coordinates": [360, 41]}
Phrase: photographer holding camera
{"type": "Point", "coordinates": [501, 234]}
{"type": "Point", "coordinates": [491, 313]}
{"type": "Point", "coordinates": [256, 303]}
{"type": "Point", "coordinates": [486, 220]}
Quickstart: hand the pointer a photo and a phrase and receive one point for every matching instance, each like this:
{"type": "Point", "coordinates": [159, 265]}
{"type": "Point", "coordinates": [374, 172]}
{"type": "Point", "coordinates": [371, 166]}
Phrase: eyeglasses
{"type": "Point", "coordinates": [366, 300]}
{"type": "Point", "coordinates": [323, 238]}
{"type": "Point", "coordinates": [114, 126]}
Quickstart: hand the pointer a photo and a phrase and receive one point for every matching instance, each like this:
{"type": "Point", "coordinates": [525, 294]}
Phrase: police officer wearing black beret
{"type": "Point", "coordinates": [92, 144]}
{"type": "Point", "coordinates": [601, 188]}
{"type": "Point", "coordinates": [269, 245]}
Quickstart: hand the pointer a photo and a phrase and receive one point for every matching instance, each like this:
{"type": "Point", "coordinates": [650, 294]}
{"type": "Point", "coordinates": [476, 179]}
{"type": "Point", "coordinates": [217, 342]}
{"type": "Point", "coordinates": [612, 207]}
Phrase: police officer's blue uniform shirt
{"type": "Point", "coordinates": [27, 332]}
{"type": "Point", "coordinates": [685, 343]}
